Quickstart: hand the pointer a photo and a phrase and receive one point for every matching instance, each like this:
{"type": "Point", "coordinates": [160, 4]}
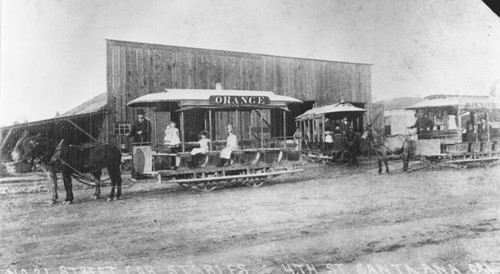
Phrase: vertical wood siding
{"type": "Point", "coordinates": [136, 69]}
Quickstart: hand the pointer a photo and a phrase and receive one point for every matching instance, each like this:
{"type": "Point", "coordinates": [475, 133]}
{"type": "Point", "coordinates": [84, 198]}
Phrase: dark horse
{"type": "Point", "coordinates": [67, 159]}
{"type": "Point", "coordinates": [385, 145]}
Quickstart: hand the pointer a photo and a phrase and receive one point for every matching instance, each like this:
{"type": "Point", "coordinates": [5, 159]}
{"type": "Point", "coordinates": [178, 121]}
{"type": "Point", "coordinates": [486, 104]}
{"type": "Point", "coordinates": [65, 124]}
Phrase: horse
{"type": "Point", "coordinates": [54, 157]}
{"type": "Point", "coordinates": [383, 145]}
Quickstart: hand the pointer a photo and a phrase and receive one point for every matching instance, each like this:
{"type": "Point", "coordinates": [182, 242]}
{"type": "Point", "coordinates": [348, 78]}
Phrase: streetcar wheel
{"type": "Point", "coordinates": [462, 166]}
{"type": "Point", "coordinates": [205, 187]}
{"type": "Point", "coordinates": [125, 166]}
{"type": "Point", "coordinates": [185, 185]}
{"type": "Point", "coordinates": [255, 182]}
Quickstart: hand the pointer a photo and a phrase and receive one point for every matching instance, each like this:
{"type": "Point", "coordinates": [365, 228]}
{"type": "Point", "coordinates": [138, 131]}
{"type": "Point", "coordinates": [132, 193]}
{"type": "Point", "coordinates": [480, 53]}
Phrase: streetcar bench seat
{"type": "Point", "coordinates": [475, 147]}
{"type": "Point", "coordinates": [457, 148]}
{"type": "Point", "coordinates": [486, 146]}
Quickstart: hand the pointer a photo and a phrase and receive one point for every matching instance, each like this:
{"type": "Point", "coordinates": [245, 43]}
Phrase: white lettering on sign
{"type": "Point", "coordinates": [479, 105]}
{"type": "Point", "coordinates": [238, 100]}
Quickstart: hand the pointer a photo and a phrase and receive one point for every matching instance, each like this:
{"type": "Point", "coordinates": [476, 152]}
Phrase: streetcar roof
{"type": "Point", "coordinates": [215, 98]}
{"type": "Point", "coordinates": [339, 108]}
{"type": "Point", "coordinates": [462, 102]}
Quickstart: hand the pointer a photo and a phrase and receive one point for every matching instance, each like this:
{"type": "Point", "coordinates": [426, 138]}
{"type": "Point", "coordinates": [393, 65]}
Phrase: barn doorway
{"type": "Point", "coordinates": [277, 118]}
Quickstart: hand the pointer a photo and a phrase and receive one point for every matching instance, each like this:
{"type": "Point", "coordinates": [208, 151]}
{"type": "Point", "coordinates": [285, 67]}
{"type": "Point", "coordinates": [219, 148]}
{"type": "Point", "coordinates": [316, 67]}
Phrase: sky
{"type": "Point", "coordinates": [53, 52]}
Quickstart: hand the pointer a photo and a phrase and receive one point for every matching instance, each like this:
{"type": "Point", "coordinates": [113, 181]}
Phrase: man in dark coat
{"type": "Point", "coordinates": [484, 130]}
{"type": "Point", "coordinates": [345, 125]}
{"type": "Point", "coordinates": [424, 126]}
{"type": "Point", "coordinates": [141, 129]}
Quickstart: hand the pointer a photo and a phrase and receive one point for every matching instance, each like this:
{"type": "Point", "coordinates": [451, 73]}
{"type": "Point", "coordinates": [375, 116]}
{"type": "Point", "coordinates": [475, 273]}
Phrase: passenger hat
{"type": "Point", "coordinates": [230, 128]}
{"type": "Point", "coordinates": [140, 111]}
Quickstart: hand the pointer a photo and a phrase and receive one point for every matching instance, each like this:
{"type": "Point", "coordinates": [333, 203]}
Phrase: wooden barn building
{"type": "Point", "coordinates": [136, 69]}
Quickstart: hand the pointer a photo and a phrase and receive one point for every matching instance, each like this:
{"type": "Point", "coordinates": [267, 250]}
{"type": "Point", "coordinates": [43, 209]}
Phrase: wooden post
{"type": "Point", "coordinates": [182, 130]}
{"type": "Point", "coordinates": [261, 130]}
{"type": "Point", "coordinates": [310, 130]}
{"type": "Point", "coordinates": [154, 131]}
{"type": "Point", "coordinates": [236, 123]}
{"type": "Point", "coordinates": [488, 126]}
{"type": "Point", "coordinates": [205, 127]}
{"type": "Point", "coordinates": [284, 128]}
{"type": "Point", "coordinates": [210, 128]}
{"type": "Point", "coordinates": [323, 128]}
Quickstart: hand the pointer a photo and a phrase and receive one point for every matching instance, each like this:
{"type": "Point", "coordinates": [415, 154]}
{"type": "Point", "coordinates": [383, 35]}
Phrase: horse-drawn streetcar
{"type": "Point", "coordinates": [457, 130]}
{"type": "Point", "coordinates": [249, 154]}
{"type": "Point", "coordinates": [332, 132]}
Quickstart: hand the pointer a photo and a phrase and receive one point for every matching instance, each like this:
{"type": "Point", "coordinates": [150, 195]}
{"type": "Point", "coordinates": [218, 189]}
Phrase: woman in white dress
{"type": "Point", "coordinates": [203, 142]}
{"type": "Point", "coordinates": [202, 150]}
{"type": "Point", "coordinates": [231, 144]}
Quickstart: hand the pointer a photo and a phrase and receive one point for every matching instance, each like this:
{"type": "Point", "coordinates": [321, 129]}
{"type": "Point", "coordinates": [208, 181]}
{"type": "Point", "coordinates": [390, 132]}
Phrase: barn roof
{"type": "Point", "coordinates": [95, 105]}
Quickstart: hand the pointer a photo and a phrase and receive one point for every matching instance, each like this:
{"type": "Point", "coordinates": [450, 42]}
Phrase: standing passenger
{"type": "Point", "coordinates": [172, 142]}
{"type": "Point", "coordinates": [484, 130]}
{"type": "Point", "coordinates": [140, 131]}
{"type": "Point", "coordinates": [424, 126]}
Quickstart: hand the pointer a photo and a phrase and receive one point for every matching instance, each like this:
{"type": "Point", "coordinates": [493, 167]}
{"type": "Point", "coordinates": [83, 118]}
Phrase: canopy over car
{"type": "Point", "coordinates": [214, 98]}
{"type": "Point", "coordinates": [463, 102]}
{"type": "Point", "coordinates": [339, 110]}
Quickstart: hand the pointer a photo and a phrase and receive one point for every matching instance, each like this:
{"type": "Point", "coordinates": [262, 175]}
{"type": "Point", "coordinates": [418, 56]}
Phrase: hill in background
{"type": "Point", "coordinates": [400, 102]}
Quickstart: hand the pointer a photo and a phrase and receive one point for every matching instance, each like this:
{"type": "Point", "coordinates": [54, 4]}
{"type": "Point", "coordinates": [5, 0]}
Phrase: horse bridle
{"type": "Point", "coordinates": [57, 153]}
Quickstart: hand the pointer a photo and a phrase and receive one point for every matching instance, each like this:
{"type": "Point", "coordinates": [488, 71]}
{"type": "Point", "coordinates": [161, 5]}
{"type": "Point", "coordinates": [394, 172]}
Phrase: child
{"type": "Point", "coordinates": [172, 142]}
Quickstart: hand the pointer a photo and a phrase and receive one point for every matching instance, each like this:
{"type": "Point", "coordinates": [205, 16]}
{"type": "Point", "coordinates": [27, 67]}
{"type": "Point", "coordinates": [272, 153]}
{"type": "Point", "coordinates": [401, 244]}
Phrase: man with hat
{"type": "Point", "coordinates": [141, 129]}
{"type": "Point", "coordinates": [424, 126]}
{"type": "Point", "coordinates": [345, 125]}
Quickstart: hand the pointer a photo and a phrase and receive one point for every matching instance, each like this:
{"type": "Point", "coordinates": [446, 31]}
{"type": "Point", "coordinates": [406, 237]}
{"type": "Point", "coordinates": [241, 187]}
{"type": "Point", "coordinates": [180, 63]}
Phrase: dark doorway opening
{"type": "Point", "coordinates": [277, 118]}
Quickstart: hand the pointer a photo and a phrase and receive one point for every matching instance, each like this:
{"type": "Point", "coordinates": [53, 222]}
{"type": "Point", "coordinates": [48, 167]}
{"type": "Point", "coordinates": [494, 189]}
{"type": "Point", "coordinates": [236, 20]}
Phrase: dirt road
{"type": "Point", "coordinates": [327, 220]}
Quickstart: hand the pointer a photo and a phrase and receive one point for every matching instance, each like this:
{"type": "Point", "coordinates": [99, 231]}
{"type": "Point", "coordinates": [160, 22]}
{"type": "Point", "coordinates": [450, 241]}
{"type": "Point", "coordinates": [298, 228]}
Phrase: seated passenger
{"type": "Point", "coordinates": [203, 142]}
{"type": "Point", "coordinates": [202, 150]}
{"type": "Point", "coordinates": [231, 144]}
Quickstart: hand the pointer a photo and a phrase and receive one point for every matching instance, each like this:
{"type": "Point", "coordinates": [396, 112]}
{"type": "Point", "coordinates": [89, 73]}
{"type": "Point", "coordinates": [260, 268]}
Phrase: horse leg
{"type": "Point", "coordinates": [385, 162]}
{"type": "Point", "coordinates": [118, 185]}
{"type": "Point", "coordinates": [406, 161]}
{"type": "Point", "coordinates": [355, 160]}
{"type": "Point", "coordinates": [112, 192]}
{"type": "Point", "coordinates": [52, 177]}
{"type": "Point", "coordinates": [97, 177]}
{"type": "Point", "coordinates": [68, 186]}
{"type": "Point", "coordinates": [114, 173]}
{"type": "Point", "coordinates": [379, 165]}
